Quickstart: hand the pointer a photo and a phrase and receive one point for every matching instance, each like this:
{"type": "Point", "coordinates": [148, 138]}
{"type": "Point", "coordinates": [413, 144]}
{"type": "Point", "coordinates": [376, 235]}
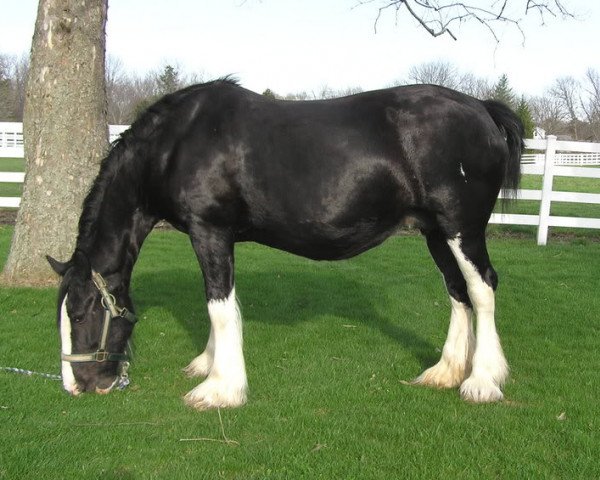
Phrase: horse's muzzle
{"type": "Point", "coordinates": [101, 387]}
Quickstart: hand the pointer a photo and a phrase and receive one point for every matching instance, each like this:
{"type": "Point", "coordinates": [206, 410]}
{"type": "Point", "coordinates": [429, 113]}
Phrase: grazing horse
{"type": "Point", "coordinates": [323, 179]}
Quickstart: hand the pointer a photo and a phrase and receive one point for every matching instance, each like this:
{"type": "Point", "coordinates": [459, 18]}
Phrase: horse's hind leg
{"type": "Point", "coordinates": [223, 359]}
{"type": "Point", "coordinates": [489, 367]}
{"type": "Point", "coordinates": [455, 363]}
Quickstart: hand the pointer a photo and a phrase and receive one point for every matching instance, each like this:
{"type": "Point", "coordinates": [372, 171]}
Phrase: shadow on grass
{"type": "Point", "coordinates": [284, 299]}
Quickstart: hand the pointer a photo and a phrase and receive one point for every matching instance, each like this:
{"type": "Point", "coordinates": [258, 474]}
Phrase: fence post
{"type": "Point", "coordinates": [542, 235]}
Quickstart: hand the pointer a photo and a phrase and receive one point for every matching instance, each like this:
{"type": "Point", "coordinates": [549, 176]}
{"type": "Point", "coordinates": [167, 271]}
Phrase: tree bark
{"type": "Point", "coordinates": [65, 131]}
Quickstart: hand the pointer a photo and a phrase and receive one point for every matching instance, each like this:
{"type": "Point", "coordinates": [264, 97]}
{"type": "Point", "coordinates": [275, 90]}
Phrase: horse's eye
{"type": "Point", "coordinates": [77, 319]}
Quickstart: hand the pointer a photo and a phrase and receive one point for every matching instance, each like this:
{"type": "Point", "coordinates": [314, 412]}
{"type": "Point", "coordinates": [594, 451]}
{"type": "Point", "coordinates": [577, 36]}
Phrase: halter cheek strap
{"type": "Point", "coordinates": [111, 311]}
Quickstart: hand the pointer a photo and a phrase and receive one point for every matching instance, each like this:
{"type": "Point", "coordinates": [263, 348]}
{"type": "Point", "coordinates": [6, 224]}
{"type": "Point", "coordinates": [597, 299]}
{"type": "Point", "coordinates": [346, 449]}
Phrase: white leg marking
{"type": "Point", "coordinates": [490, 368]}
{"type": "Point", "coordinates": [226, 385]}
{"type": "Point", "coordinates": [68, 378]}
{"type": "Point", "coordinates": [202, 364]}
{"type": "Point", "coordinates": [455, 363]}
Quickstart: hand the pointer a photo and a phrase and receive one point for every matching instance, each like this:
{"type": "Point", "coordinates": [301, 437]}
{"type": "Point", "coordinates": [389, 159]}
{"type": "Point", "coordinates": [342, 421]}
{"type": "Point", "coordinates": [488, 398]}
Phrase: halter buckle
{"type": "Point", "coordinates": [101, 356]}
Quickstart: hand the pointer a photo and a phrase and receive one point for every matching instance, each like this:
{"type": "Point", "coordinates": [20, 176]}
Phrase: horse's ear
{"type": "Point", "coordinates": [59, 267]}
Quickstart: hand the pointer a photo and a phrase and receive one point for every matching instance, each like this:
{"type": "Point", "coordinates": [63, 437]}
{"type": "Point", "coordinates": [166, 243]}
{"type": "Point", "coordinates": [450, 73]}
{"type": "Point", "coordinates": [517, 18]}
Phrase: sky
{"type": "Point", "coordinates": [291, 46]}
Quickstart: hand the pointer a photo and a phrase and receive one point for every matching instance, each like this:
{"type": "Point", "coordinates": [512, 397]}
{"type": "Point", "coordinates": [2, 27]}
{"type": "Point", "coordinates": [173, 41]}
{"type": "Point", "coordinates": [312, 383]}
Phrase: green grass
{"type": "Point", "coordinates": [327, 346]}
{"type": "Point", "coordinates": [11, 165]}
{"type": "Point", "coordinates": [11, 189]}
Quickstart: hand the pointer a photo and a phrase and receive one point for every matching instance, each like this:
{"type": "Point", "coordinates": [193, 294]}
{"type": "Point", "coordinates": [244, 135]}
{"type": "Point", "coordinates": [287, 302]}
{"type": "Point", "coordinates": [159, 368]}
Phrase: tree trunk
{"type": "Point", "coordinates": [65, 132]}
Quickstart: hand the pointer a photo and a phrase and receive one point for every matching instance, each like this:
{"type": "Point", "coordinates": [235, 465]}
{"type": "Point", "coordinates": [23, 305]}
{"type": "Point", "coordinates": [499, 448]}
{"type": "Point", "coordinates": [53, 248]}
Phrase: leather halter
{"type": "Point", "coordinates": [111, 311]}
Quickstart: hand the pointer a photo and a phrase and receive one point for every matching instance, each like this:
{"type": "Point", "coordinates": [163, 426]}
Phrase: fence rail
{"type": "Point", "coordinates": [557, 159]}
{"type": "Point", "coordinates": [563, 158]}
{"type": "Point", "coordinates": [549, 169]}
{"type": "Point", "coordinates": [11, 138]}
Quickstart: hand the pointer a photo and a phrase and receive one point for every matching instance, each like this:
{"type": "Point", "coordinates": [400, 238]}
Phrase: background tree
{"type": "Point", "coordinates": [524, 114]}
{"type": "Point", "coordinates": [117, 93]}
{"type": "Point", "coordinates": [157, 83]}
{"type": "Point", "coordinates": [475, 86]}
{"type": "Point", "coordinates": [591, 103]}
{"type": "Point", "coordinates": [269, 93]}
{"type": "Point", "coordinates": [437, 73]}
{"type": "Point", "coordinates": [12, 73]}
{"type": "Point", "coordinates": [168, 80]}
{"type": "Point", "coordinates": [548, 114]}
{"type": "Point", "coordinates": [6, 90]}
{"type": "Point", "coordinates": [503, 92]}
{"type": "Point", "coordinates": [66, 131]}
{"type": "Point", "coordinates": [20, 70]}
{"type": "Point", "coordinates": [136, 93]}
{"type": "Point", "coordinates": [566, 91]}
{"type": "Point", "coordinates": [447, 75]}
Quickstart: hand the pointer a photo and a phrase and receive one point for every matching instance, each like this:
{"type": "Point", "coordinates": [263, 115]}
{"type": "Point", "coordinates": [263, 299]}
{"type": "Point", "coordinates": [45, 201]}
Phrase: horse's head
{"type": "Point", "coordinates": [95, 322]}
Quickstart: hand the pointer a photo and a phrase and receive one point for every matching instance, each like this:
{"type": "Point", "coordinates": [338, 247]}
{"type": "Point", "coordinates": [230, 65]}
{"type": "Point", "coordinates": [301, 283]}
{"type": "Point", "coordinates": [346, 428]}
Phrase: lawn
{"type": "Point", "coordinates": [11, 165]}
{"type": "Point", "coordinates": [328, 346]}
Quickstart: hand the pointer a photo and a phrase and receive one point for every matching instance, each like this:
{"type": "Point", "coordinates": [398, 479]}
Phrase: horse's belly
{"type": "Point", "coordinates": [321, 242]}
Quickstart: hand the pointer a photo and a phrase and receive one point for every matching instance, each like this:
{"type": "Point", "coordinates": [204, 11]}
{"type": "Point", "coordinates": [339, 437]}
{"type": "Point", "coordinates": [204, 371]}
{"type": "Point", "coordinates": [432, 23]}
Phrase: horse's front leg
{"type": "Point", "coordinates": [223, 359]}
{"type": "Point", "coordinates": [202, 364]}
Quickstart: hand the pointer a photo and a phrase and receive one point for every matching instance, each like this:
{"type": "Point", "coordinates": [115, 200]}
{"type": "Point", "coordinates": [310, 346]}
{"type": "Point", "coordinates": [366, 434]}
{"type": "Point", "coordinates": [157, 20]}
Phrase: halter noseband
{"type": "Point", "coordinates": [111, 311]}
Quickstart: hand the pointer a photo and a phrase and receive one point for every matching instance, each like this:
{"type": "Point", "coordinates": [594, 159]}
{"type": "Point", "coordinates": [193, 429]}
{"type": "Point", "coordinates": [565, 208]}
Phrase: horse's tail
{"type": "Point", "coordinates": [512, 128]}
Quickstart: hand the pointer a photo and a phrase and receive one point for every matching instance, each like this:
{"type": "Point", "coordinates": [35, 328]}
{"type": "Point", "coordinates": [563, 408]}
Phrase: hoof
{"type": "Point", "coordinates": [214, 393]}
{"type": "Point", "coordinates": [441, 375]}
{"type": "Point", "coordinates": [479, 390]}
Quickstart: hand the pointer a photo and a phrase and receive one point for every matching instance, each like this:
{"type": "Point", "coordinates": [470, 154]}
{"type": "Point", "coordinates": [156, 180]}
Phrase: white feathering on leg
{"type": "Point", "coordinates": [490, 369]}
{"type": "Point", "coordinates": [455, 363]}
{"type": "Point", "coordinates": [202, 364]}
{"type": "Point", "coordinates": [226, 384]}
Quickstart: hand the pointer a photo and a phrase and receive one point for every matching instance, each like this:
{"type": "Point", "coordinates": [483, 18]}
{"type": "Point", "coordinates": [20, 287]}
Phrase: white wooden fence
{"type": "Point", "coordinates": [549, 169]}
{"type": "Point", "coordinates": [592, 158]}
{"type": "Point", "coordinates": [556, 160]}
{"type": "Point", "coordinates": [11, 138]}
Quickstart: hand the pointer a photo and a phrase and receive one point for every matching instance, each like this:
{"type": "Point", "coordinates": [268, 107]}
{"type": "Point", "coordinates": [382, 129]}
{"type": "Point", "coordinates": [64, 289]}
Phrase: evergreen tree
{"type": "Point", "coordinates": [503, 93]}
{"type": "Point", "coordinates": [524, 114]}
{"type": "Point", "coordinates": [269, 93]}
{"type": "Point", "coordinates": [168, 81]}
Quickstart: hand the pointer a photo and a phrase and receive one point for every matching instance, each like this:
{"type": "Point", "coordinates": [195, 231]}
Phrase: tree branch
{"type": "Point", "coordinates": [437, 17]}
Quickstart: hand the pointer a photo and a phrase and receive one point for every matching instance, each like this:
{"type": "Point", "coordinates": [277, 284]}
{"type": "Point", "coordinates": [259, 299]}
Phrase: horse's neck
{"type": "Point", "coordinates": [120, 231]}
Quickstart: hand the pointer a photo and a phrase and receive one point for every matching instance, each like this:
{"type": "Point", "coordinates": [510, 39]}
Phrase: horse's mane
{"type": "Point", "coordinates": [128, 150]}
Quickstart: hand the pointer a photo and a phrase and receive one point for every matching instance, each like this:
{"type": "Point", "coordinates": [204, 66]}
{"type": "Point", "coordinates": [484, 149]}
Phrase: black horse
{"type": "Point", "coordinates": [322, 179]}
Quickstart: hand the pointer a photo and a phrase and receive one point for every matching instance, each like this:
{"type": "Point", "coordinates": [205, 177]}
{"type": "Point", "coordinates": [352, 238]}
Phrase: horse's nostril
{"type": "Point", "coordinates": [73, 390]}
